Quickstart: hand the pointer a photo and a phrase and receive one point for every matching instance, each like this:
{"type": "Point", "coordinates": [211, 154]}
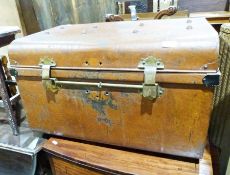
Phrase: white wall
{"type": "Point", "coordinates": [9, 16]}
{"type": "Point", "coordinates": [9, 13]}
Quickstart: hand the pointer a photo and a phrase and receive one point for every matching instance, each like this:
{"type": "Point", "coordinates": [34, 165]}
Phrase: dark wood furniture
{"type": "Point", "coordinates": [72, 158]}
{"type": "Point", "coordinates": [7, 34]}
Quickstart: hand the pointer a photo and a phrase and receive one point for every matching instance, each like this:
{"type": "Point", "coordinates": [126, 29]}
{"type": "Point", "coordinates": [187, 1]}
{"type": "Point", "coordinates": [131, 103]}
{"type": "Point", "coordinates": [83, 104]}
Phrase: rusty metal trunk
{"type": "Point", "coordinates": [142, 84]}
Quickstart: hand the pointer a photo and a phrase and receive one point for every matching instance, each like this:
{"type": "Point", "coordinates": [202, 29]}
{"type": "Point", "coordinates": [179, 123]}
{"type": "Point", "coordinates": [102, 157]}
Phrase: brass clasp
{"type": "Point", "coordinates": [151, 89]}
{"type": "Point", "coordinates": [46, 64]}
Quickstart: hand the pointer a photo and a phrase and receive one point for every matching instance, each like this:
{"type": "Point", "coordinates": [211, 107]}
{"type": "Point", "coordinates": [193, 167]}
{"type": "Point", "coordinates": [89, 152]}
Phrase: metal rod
{"type": "Point", "coordinates": [99, 85]}
{"type": "Point", "coordinates": [117, 69]}
{"type": "Point", "coordinates": [12, 100]}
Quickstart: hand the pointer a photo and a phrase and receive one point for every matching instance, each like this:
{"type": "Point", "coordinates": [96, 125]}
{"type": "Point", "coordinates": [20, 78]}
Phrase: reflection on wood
{"type": "Point", "coordinates": [217, 17]}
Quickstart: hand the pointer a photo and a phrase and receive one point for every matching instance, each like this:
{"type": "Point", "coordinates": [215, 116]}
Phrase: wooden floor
{"type": "Point", "coordinates": [68, 157]}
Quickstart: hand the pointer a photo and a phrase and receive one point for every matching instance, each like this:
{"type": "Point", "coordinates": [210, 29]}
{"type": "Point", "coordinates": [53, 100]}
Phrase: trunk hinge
{"type": "Point", "coordinates": [151, 89]}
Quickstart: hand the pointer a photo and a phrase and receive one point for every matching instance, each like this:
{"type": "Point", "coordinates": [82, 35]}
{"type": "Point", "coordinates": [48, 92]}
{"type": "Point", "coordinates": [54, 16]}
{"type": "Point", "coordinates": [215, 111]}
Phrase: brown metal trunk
{"type": "Point", "coordinates": [174, 123]}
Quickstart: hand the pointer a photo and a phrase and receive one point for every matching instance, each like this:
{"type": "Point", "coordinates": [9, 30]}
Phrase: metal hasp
{"type": "Point", "coordinates": [46, 63]}
{"type": "Point", "coordinates": [151, 89]}
{"type": "Point", "coordinates": [4, 93]}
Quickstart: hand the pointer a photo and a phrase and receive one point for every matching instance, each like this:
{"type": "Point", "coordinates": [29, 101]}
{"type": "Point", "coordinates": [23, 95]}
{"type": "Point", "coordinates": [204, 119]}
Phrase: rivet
{"type": "Point", "coordinates": [87, 91]}
{"type": "Point", "coordinates": [100, 85]}
{"type": "Point", "coordinates": [141, 24]}
{"type": "Point", "coordinates": [205, 66]}
{"type": "Point", "coordinates": [83, 32]}
{"type": "Point", "coordinates": [189, 21]}
{"type": "Point", "coordinates": [189, 27]}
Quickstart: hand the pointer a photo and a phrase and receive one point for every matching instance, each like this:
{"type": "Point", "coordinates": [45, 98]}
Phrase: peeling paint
{"type": "Point", "coordinates": [105, 121]}
{"type": "Point", "coordinates": [123, 94]}
{"type": "Point", "coordinates": [98, 102]}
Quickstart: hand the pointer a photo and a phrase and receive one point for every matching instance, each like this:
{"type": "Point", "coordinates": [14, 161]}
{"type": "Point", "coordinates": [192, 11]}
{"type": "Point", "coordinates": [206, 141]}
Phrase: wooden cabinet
{"type": "Point", "coordinates": [73, 158]}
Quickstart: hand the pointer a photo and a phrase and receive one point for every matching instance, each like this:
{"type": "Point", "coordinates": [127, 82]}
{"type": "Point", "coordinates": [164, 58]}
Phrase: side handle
{"type": "Point", "coordinates": [167, 12]}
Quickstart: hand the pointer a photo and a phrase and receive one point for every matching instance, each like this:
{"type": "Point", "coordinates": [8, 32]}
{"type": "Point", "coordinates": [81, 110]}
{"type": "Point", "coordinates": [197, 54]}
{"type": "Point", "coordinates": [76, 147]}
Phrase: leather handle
{"type": "Point", "coordinates": [168, 12]}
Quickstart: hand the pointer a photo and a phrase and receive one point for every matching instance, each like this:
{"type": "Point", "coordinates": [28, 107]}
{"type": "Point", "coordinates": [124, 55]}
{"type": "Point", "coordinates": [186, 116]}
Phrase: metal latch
{"type": "Point", "coordinates": [151, 89]}
{"type": "Point", "coordinates": [46, 64]}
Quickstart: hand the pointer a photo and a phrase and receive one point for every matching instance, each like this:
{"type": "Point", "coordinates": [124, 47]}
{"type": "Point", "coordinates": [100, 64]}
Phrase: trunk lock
{"type": "Point", "coordinates": [150, 89]}
{"type": "Point", "coordinates": [46, 64]}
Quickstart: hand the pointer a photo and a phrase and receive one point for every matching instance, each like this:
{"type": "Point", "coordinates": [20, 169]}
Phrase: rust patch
{"type": "Point", "coordinates": [104, 120]}
{"type": "Point", "coordinates": [98, 101]}
{"type": "Point", "coordinates": [123, 94]}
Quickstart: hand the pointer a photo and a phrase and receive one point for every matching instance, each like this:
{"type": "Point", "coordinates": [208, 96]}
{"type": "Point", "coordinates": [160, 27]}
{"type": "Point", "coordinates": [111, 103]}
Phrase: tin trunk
{"type": "Point", "coordinates": [143, 84]}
